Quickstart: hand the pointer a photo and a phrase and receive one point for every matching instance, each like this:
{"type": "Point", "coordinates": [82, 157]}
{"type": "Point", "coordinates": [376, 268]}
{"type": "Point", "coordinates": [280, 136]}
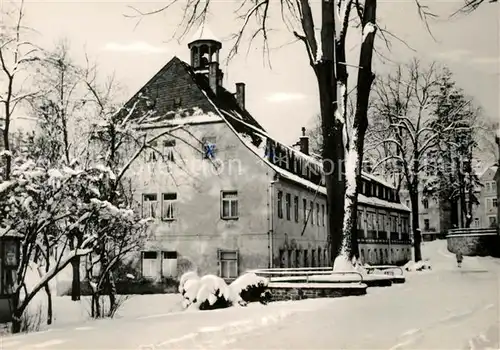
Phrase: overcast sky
{"type": "Point", "coordinates": [284, 97]}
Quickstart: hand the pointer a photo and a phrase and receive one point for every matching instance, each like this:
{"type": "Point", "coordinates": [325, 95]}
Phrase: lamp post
{"type": "Point", "coordinates": [9, 261]}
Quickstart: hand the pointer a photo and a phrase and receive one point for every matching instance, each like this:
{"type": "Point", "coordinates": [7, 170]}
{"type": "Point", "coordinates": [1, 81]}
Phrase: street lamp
{"type": "Point", "coordinates": [9, 261]}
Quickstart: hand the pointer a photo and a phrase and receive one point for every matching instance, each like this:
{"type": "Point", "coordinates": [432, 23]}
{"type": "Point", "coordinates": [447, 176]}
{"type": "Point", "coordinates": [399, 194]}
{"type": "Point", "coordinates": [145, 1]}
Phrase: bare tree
{"type": "Point", "coordinates": [16, 53]}
{"type": "Point", "coordinates": [405, 103]}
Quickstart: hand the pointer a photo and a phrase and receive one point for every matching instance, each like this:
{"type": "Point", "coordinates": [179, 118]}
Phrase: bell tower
{"type": "Point", "coordinates": [205, 47]}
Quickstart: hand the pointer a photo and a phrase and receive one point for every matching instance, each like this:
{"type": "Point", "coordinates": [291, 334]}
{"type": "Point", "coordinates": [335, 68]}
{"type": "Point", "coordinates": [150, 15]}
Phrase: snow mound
{"type": "Point", "coordinates": [417, 266]}
{"type": "Point", "coordinates": [248, 288]}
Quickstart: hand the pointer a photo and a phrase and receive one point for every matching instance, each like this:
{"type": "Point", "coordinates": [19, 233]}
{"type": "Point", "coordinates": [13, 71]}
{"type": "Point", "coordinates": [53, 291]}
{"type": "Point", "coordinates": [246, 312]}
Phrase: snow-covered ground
{"type": "Point", "coordinates": [444, 308]}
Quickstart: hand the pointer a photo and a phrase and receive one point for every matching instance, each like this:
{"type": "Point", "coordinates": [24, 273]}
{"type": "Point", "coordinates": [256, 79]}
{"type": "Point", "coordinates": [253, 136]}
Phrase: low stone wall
{"type": "Point", "coordinates": [299, 291]}
{"type": "Point", "coordinates": [474, 242]}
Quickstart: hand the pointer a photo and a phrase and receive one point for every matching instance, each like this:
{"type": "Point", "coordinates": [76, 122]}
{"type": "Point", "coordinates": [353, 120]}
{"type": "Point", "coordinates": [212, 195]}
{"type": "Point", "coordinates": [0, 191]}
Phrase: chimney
{"type": "Point", "coordinates": [304, 142]}
{"type": "Point", "coordinates": [213, 76]}
{"type": "Point", "coordinates": [240, 94]}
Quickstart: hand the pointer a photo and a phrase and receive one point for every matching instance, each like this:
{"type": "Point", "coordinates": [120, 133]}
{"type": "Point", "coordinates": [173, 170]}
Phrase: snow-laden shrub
{"type": "Point", "coordinates": [249, 288]}
{"type": "Point", "coordinates": [417, 266]}
{"type": "Point", "coordinates": [214, 293]}
{"type": "Point", "coordinates": [188, 287]}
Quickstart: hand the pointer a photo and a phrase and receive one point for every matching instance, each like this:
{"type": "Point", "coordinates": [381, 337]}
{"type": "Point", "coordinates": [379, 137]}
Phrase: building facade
{"type": "Point", "coordinates": [486, 214]}
{"type": "Point", "coordinates": [225, 196]}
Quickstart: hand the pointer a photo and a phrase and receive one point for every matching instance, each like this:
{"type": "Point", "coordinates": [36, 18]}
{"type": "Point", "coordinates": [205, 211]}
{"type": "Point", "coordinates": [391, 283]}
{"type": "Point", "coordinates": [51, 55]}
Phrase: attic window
{"type": "Point", "coordinates": [177, 103]}
{"type": "Point", "coordinates": [168, 150]}
{"type": "Point", "coordinates": [151, 154]}
{"type": "Point", "coordinates": [208, 147]}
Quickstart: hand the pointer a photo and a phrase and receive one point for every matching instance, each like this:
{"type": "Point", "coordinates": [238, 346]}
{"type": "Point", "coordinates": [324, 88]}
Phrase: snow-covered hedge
{"type": "Point", "coordinates": [211, 292]}
{"type": "Point", "coordinates": [417, 266]}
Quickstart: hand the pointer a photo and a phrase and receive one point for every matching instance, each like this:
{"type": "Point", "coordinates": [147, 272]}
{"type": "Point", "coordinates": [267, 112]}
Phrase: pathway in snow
{"type": "Point", "coordinates": [446, 308]}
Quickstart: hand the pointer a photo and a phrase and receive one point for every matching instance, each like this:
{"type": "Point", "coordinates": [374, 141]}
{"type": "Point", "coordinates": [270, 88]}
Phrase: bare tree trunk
{"type": "Point", "coordinates": [75, 265]}
{"type": "Point", "coordinates": [333, 147]}
{"type": "Point", "coordinates": [360, 124]}
{"type": "Point", "coordinates": [6, 130]}
{"type": "Point", "coordinates": [417, 237]}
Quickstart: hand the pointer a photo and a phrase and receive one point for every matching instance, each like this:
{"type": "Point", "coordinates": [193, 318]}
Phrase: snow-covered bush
{"type": "Point", "coordinates": [249, 288]}
{"type": "Point", "coordinates": [213, 293]}
{"type": "Point", "coordinates": [188, 287]}
{"type": "Point", "coordinates": [417, 266]}
{"type": "Point", "coordinates": [205, 293]}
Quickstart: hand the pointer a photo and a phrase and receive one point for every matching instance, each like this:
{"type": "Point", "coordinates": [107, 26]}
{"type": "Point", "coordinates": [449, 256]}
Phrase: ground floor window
{"type": "Point", "coordinates": [169, 264]}
{"type": "Point", "coordinates": [149, 260]}
{"type": "Point", "coordinates": [228, 263]}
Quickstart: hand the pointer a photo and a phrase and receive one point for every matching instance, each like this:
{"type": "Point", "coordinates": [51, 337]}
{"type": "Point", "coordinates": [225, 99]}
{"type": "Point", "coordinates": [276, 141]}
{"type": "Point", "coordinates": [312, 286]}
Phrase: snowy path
{"type": "Point", "coordinates": [446, 308]}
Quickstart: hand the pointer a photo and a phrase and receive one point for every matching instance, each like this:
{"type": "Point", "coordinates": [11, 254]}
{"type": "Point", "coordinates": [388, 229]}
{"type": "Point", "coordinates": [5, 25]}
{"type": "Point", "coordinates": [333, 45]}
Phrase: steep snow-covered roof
{"type": "Point", "coordinates": [300, 168]}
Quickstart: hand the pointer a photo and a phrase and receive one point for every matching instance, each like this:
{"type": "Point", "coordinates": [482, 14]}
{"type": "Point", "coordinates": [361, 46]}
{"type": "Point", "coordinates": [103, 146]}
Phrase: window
{"type": "Point", "coordinates": [304, 209]}
{"type": "Point", "coordinates": [297, 258]}
{"type": "Point", "coordinates": [426, 224]}
{"type": "Point", "coordinates": [169, 264]}
{"type": "Point", "coordinates": [209, 149]}
{"type": "Point", "coordinates": [381, 220]}
{"type": "Point", "coordinates": [282, 258]}
{"type": "Point", "coordinates": [491, 203]}
{"type": "Point", "coordinates": [288, 204]}
{"type": "Point", "coordinates": [306, 258]}
{"type": "Point", "coordinates": [296, 208]}
{"type": "Point", "coordinates": [313, 258]}
{"type": "Point", "coordinates": [229, 205]}
{"type": "Point", "coordinates": [149, 269]}
{"type": "Point", "coordinates": [289, 262]}
{"type": "Point", "coordinates": [228, 263]}
{"type": "Point", "coordinates": [360, 220]}
{"type": "Point", "coordinates": [394, 224]}
{"type": "Point", "coordinates": [311, 212]}
{"type": "Point", "coordinates": [320, 257]}
{"type": "Point", "coordinates": [492, 220]}
{"type": "Point", "coordinates": [476, 222]}
{"type": "Point", "coordinates": [317, 214]}
{"type": "Point", "coordinates": [149, 205]}
{"type": "Point", "coordinates": [151, 155]}
{"type": "Point", "coordinates": [369, 221]}
{"type": "Point", "coordinates": [323, 215]}
{"type": "Point", "coordinates": [177, 103]}
{"type": "Point", "coordinates": [168, 206]}
{"type": "Point", "coordinates": [168, 150]}
{"type": "Point", "coordinates": [425, 202]}
{"type": "Point", "coordinates": [280, 204]}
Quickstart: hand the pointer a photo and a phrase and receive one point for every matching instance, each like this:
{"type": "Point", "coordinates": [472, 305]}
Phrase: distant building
{"type": "Point", "coordinates": [497, 178]}
{"type": "Point", "coordinates": [226, 197]}
{"type": "Point", "coordinates": [487, 212]}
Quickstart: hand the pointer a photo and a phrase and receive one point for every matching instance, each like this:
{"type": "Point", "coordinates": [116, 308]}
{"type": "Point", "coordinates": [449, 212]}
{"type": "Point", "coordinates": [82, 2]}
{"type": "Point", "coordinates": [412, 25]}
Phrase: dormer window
{"type": "Point", "coordinates": [177, 103]}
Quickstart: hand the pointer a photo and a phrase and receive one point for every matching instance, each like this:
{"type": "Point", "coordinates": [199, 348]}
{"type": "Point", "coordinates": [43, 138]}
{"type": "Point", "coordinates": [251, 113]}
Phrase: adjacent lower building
{"type": "Point", "coordinates": [225, 196]}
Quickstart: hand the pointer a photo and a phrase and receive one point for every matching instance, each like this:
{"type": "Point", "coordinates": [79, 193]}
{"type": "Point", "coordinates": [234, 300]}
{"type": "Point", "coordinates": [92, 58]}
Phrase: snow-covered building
{"type": "Point", "coordinates": [226, 196]}
{"type": "Point", "coordinates": [487, 211]}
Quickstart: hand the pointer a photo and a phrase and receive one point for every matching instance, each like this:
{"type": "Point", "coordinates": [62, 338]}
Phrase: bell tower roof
{"type": "Point", "coordinates": [204, 34]}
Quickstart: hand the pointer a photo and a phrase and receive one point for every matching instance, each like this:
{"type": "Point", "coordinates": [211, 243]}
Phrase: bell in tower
{"type": "Point", "coordinates": [204, 48]}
